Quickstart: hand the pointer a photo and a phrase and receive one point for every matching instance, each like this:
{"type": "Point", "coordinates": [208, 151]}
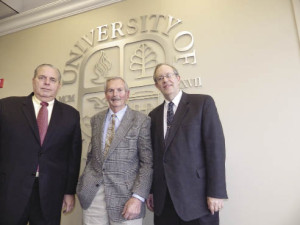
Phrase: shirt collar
{"type": "Point", "coordinates": [37, 101]}
{"type": "Point", "coordinates": [119, 114]}
{"type": "Point", "coordinates": [175, 100]}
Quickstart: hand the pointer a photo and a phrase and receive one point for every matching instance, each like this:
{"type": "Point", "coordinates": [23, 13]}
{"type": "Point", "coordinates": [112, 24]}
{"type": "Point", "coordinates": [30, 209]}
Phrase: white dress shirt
{"type": "Point", "coordinates": [176, 101]}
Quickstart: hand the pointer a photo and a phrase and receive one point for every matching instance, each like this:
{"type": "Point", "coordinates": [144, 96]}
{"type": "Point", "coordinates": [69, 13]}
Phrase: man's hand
{"type": "Point", "coordinates": [214, 204]}
{"type": "Point", "coordinates": [150, 203]}
{"type": "Point", "coordinates": [132, 208]}
{"type": "Point", "coordinates": [68, 203]}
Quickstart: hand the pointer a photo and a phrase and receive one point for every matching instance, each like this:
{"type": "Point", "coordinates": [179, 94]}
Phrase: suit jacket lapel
{"type": "Point", "coordinates": [181, 111]}
{"type": "Point", "coordinates": [160, 124]}
{"type": "Point", "coordinates": [54, 121]}
{"type": "Point", "coordinates": [99, 131]}
{"type": "Point", "coordinates": [28, 110]}
{"type": "Point", "coordinates": [122, 130]}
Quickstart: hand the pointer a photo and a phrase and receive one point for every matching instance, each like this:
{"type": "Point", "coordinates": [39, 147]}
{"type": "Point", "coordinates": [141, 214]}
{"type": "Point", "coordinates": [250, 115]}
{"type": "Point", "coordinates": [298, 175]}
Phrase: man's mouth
{"type": "Point", "coordinates": [166, 86]}
{"type": "Point", "coordinates": [46, 89]}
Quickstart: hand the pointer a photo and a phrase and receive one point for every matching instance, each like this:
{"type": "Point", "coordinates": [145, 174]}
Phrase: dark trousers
{"type": "Point", "coordinates": [170, 217]}
{"type": "Point", "coordinates": [33, 212]}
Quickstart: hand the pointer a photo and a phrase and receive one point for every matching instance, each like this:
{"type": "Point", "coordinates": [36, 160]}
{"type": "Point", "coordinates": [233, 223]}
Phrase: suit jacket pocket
{"type": "Point", "coordinates": [201, 173]}
{"type": "Point", "coordinates": [132, 134]}
{"type": "Point", "coordinates": [129, 185]}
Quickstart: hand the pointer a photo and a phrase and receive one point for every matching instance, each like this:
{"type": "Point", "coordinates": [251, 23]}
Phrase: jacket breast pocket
{"type": "Point", "coordinates": [132, 134]}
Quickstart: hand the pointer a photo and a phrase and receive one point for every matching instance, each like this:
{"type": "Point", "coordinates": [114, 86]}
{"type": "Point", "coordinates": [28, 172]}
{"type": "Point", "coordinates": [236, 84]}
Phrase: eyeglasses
{"type": "Point", "coordinates": [43, 78]}
{"type": "Point", "coordinates": [161, 77]}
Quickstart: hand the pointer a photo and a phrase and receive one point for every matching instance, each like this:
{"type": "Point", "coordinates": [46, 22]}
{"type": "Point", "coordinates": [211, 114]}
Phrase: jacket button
{"type": "Point", "coordinates": [97, 185]}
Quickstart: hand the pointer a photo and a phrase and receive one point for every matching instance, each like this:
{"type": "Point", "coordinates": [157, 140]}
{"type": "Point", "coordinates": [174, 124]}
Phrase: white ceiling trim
{"type": "Point", "coordinates": [50, 12]}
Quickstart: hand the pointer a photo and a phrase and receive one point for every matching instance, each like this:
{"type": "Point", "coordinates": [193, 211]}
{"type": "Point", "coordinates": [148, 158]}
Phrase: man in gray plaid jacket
{"type": "Point", "coordinates": [116, 181]}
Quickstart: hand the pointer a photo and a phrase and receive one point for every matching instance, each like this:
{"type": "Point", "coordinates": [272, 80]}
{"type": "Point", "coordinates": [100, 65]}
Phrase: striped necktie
{"type": "Point", "coordinates": [170, 116]}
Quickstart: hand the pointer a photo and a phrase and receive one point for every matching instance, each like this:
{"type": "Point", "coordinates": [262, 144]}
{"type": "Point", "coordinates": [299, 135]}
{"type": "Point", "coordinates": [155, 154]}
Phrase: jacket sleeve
{"type": "Point", "coordinates": [144, 179]}
{"type": "Point", "coordinates": [214, 144]}
{"type": "Point", "coordinates": [74, 158]}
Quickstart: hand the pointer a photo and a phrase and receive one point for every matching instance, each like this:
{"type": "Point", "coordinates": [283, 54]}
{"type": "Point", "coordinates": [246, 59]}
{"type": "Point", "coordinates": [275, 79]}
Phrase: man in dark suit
{"type": "Point", "coordinates": [188, 155]}
{"type": "Point", "coordinates": [39, 163]}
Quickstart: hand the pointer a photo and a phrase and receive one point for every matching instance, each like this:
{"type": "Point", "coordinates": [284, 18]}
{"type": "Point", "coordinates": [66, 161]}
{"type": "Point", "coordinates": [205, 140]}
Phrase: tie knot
{"type": "Point", "coordinates": [113, 118]}
{"type": "Point", "coordinates": [171, 104]}
{"type": "Point", "coordinates": [44, 104]}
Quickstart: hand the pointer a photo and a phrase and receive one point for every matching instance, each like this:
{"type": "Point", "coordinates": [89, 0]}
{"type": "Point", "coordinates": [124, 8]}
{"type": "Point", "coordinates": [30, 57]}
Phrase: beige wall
{"type": "Point", "coordinates": [248, 60]}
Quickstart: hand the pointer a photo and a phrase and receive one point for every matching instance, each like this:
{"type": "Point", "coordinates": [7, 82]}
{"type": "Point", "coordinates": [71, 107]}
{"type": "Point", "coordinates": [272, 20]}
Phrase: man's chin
{"type": "Point", "coordinates": [167, 91]}
{"type": "Point", "coordinates": [47, 96]}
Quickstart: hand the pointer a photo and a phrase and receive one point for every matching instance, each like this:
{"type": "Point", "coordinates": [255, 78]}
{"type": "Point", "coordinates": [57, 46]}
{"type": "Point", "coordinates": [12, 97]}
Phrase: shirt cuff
{"type": "Point", "coordinates": [138, 197]}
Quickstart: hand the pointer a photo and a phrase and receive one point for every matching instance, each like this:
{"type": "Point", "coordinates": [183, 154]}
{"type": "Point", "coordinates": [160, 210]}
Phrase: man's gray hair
{"type": "Point", "coordinates": [49, 65]}
{"type": "Point", "coordinates": [175, 71]}
{"type": "Point", "coordinates": [115, 78]}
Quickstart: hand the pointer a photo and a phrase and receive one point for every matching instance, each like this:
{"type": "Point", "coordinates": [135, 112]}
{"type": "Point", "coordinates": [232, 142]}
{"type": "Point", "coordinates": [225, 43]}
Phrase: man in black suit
{"type": "Point", "coordinates": [188, 155]}
{"type": "Point", "coordinates": [39, 164]}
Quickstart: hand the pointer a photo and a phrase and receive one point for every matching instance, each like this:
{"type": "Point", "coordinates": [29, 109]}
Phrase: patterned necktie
{"type": "Point", "coordinates": [42, 121]}
{"type": "Point", "coordinates": [170, 116]}
{"type": "Point", "coordinates": [110, 133]}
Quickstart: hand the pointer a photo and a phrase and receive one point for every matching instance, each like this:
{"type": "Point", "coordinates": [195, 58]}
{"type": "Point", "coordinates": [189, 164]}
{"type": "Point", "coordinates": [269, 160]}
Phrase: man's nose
{"type": "Point", "coordinates": [165, 78]}
{"type": "Point", "coordinates": [47, 80]}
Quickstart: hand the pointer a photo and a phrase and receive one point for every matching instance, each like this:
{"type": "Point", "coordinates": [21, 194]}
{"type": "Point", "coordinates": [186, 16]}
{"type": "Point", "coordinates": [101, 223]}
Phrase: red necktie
{"type": "Point", "coordinates": [42, 121]}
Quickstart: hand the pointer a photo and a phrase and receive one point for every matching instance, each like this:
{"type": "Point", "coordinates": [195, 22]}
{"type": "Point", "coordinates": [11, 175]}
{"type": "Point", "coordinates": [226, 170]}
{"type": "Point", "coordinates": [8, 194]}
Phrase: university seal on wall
{"type": "Point", "coordinates": [130, 50]}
